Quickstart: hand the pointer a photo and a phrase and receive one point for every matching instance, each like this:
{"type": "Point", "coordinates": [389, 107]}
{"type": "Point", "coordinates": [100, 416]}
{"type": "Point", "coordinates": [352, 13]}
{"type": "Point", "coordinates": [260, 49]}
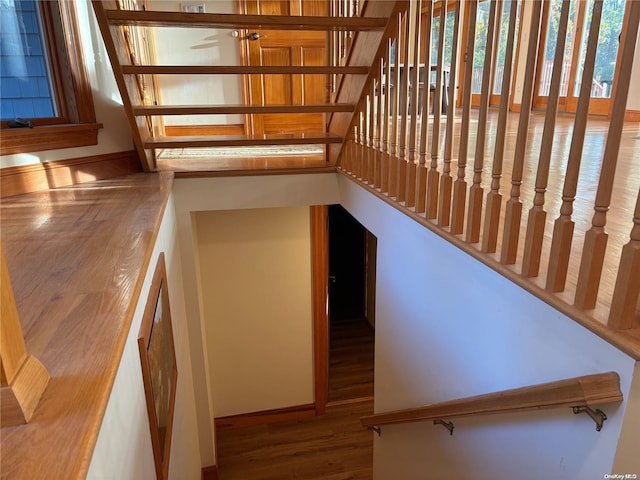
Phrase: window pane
{"type": "Point", "coordinates": [482, 25]}
{"type": "Point", "coordinates": [502, 43]}
{"type": "Point", "coordinates": [26, 83]}
{"type": "Point", "coordinates": [555, 7]}
{"type": "Point", "coordinates": [607, 53]}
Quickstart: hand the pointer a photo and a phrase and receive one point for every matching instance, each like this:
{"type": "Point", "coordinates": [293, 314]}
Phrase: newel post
{"type": "Point", "coordinates": [23, 377]}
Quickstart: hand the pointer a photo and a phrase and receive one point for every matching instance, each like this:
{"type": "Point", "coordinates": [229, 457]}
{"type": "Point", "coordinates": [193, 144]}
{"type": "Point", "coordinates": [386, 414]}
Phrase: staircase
{"type": "Point", "coordinates": [352, 37]}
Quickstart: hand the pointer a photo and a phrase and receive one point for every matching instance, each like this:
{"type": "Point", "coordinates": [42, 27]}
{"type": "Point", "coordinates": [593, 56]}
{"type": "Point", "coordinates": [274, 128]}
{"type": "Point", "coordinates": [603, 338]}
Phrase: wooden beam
{"type": "Point", "coordinates": [240, 141]}
{"type": "Point", "coordinates": [241, 70]}
{"type": "Point", "coordinates": [239, 109]}
{"type": "Point", "coordinates": [238, 21]}
{"type": "Point", "coordinates": [588, 390]}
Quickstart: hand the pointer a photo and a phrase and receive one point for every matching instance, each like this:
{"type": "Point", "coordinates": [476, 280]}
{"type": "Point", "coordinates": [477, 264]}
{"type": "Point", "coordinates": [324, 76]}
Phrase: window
{"type": "Point", "coordinates": [43, 78]}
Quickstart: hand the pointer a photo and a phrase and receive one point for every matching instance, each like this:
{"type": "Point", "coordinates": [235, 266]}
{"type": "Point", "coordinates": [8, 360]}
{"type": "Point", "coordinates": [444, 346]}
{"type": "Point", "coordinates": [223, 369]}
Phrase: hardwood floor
{"type": "Point", "coordinates": [333, 446]}
{"type": "Point", "coordinates": [351, 356]}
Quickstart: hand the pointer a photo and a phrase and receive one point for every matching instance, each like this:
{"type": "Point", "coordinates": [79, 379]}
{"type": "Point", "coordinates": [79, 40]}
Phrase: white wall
{"type": "Point", "coordinates": [210, 194]}
{"type": "Point", "coordinates": [448, 327]}
{"type": "Point", "coordinates": [123, 449]}
{"type": "Point", "coordinates": [115, 136]}
{"type": "Point", "coordinates": [199, 46]}
{"type": "Point", "coordinates": [255, 274]}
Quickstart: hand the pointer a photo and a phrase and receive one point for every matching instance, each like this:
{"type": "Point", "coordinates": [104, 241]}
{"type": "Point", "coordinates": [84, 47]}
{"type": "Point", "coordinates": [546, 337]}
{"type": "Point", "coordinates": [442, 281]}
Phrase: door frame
{"type": "Point", "coordinates": [597, 106]}
{"type": "Point", "coordinates": [320, 303]}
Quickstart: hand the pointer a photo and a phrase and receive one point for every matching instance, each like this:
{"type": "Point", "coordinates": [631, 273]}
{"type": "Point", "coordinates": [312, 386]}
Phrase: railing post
{"type": "Point", "coordinates": [23, 377]}
{"type": "Point", "coordinates": [476, 192]}
{"type": "Point", "coordinates": [460, 185]}
{"type": "Point", "coordinates": [564, 225]}
{"type": "Point", "coordinates": [446, 181]}
{"type": "Point", "coordinates": [494, 197]}
{"type": "Point", "coordinates": [513, 208]}
{"type": "Point", "coordinates": [595, 242]}
{"type": "Point", "coordinates": [537, 214]}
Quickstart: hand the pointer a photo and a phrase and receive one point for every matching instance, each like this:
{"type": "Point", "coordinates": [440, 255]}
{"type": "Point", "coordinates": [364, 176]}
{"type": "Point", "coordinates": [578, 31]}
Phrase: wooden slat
{"type": "Point", "coordinates": [624, 304]}
{"type": "Point", "coordinates": [385, 120]}
{"type": "Point", "coordinates": [237, 21]}
{"type": "Point", "coordinates": [446, 181]}
{"type": "Point", "coordinates": [513, 208]}
{"type": "Point", "coordinates": [537, 214]}
{"type": "Point", "coordinates": [460, 185]}
{"type": "Point", "coordinates": [580, 391]}
{"type": "Point", "coordinates": [404, 108]}
{"type": "Point", "coordinates": [377, 177]}
{"type": "Point", "coordinates": [411, 168]}
{"type": "Point", "coordinates": [595, 242]}
{"type": "Point", "coordinates": [433, 177]}
{"type": "Point", "coordinates": [240, 140]}
{"type": "Point", "coordinates": [564, 224]}
{"type": "Point", "coordinates": [395, 111]}
{"type": "Point", "coordinates": [242, 70]}
{"type": "Point", "coordinates": [238, 109]}
{"type": "Point", "coordinates": [494, 197]}
{"type": "Point", "coordinates": [476, 192]}
{"type": "Point", "coordinates": [422, 172]}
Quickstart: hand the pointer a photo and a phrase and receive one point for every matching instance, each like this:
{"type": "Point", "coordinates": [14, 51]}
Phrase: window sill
{"type": "Point", "coordinates": [51, 137]}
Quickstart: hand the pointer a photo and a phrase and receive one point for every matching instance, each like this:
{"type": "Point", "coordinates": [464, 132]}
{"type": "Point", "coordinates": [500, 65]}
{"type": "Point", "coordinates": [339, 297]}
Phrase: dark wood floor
{"type": "Point", "coordinates": [333, 446]}
{"type": "Point", "coordinates": [350, 360]}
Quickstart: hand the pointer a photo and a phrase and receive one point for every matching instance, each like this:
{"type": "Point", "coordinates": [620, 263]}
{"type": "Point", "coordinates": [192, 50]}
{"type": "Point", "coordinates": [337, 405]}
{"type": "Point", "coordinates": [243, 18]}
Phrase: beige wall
{"type": "Point", "coordinates": [255, 276]}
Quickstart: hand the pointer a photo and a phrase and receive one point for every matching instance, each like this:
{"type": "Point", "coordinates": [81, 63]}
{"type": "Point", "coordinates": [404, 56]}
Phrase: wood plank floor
{"type": "Point", "coordinates": [351, 356]}
{"type": "Point", "coordinates": [333, 446]}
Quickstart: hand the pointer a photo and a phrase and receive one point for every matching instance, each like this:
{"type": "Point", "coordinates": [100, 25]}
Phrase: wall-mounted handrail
{"type": "Point", "coordinates": [585, 391]}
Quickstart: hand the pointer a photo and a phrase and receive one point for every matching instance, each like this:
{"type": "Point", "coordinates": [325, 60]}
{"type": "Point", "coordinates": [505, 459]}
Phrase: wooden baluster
{"type": "Point", "coordinates": [563, 226]}
{"type": "Point", "coordinates": [513, 208]}
{"type": "Point", "coordinates": [476, 192]}
{"type": "Point", "coordinates": [433, 177]}
{"type": "Point", "coordinates": [404, 112]}
{"type": "Point", "coordinates": [537, 214]}
{"type": "Point", "coordinates": [494, 197]}
{"type": "Point", "coordinates": [595, 242]}
{"type": "Point", "coordinates": [624, 304]}
{"type": "Point", "coordinates": [362, 149]}
{"type": "Point", "coordinates": [421, 174]}
{"type": "Point", "coordinates": [378, 137]}
{"type": "Point", "coordinates": [385, 123]}
{"type": "Point", "coordinates": [410, 195]}
{"type": "Point", "coordinates": [372, 158]}
{"type": "Point", "coordinates": [446, 181]}
{"type": "Point", "coordinates": [460, 185]}
{"type": "Point", "coordinates": [394, 159]}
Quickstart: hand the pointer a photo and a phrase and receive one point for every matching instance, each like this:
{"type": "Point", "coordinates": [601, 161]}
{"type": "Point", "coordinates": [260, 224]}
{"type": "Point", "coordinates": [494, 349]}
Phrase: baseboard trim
{"type": "Point", "coordinates": [266, 416]}
{"type": "Point", "coordinates": [632, 116]}
{"type": "Point", "coordinates": [210, 473]}
{"type": "Point", "coordinates": [187, 130]}
{"type": "Point", "coordinates": [62, 173]}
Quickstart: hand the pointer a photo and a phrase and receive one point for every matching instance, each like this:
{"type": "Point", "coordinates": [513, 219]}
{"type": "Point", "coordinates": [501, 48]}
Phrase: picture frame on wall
{"type": "Point", "coordinates": [159, 368]}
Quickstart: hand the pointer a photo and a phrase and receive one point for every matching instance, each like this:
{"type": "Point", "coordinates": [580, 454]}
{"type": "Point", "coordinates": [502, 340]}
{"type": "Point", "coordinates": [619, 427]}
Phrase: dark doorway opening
{"type": "Point", "coordinates": [352, 252]}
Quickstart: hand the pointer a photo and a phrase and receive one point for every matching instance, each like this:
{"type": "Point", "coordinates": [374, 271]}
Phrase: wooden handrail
{"type": "Point", "coordinates": [588, 390]}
